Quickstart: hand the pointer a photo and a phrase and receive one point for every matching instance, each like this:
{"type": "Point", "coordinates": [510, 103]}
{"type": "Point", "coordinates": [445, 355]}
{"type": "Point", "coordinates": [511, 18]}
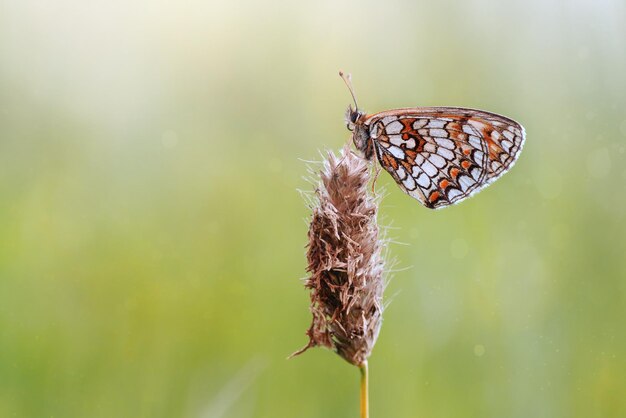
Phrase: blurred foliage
{"type": "Point", "coordinates": [151, 231]}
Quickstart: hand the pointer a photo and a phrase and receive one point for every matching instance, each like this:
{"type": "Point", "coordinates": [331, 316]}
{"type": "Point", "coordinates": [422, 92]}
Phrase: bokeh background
{"type": "Point", "coordinates": [152, 233]}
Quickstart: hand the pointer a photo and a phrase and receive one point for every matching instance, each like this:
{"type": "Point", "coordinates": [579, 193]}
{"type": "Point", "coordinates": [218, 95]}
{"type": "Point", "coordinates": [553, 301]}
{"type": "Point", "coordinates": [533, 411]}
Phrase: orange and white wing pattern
{"type": "Point", "coordinates": [442, 155]}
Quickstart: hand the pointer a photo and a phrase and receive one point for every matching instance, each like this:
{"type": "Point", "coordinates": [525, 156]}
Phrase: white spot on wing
{"type": "Point", "coordinates": [374, 132]}
{"type": "Point", "coordinates": [419, 123]}
{"type": "Point", "coordinates": [429, 169]}
{"type": "Point", "coordinates": [475, 172]}
{"type": "Point", "coordinates": [479, 126]}
{"type": "Point", "coordinates": [410, 143]}
{"type": "Point", "coordinates": [468, 130]}
{"type": "Point", "coordinates": [409, 183]}
{"type": "Point", "coordinates": [429, 147]}
{"type": "Point", "coordinates": [437, 160]}
{"type": "Point", "coordinates": [508, 135]}
{"type": "Point", "coordinates": [394, 127]}
{"type": "Point", "coordinates": [396, 152]}
{"type": "Point", "coordinates": [439, 133]}
{"type": "Point", "coordinates": [423, 180]}
{"type": "Point", "coordinates": [434, 123]}
{"type": "Point", "coordinates": [388, 119]}
{"type": "Point", "coordinates": [454, 193]}
{"type": "Point", "coordinates": [478, 156]}
{"type": "Point", "coordinates": [444, 142]}
{"type": "Point", "coordinates": [395, 140]}
{"type": "Point", "coordinates": [401, 173]}
{"type": "Point", "coordinates": [506, 145]}
{"type": "Point", "coordinates": [465, 183]}
{"type": "Point", "coordinates": [446, 153]}
{"type": "Point", "coordinates": [475, 141]}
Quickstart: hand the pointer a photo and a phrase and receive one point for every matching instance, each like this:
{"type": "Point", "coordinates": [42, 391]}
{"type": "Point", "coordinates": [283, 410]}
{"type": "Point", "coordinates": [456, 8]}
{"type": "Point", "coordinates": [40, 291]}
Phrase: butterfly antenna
{"type": "Point", "coordinates": [347, 78]}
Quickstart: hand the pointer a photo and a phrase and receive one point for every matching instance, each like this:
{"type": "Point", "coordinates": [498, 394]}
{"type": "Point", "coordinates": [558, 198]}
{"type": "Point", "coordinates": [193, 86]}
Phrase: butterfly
{"type": "Point", "coordinates": [437, 155]}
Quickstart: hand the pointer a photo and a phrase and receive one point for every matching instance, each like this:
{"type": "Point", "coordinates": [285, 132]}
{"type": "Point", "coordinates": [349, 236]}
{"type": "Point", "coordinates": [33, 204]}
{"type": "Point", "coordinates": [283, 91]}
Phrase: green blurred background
{"type": "Point", "coordinates": [152, 235]}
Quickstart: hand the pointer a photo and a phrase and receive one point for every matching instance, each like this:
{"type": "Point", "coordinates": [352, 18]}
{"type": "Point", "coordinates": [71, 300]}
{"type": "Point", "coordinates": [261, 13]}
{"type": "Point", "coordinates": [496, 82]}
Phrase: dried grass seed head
{"type": "Point", "coordinates": [345, 264]}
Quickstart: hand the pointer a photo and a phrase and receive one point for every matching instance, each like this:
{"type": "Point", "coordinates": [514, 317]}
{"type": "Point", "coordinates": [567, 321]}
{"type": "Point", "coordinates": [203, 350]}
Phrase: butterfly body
{"type": "Point", "coordinates": [438, 155]}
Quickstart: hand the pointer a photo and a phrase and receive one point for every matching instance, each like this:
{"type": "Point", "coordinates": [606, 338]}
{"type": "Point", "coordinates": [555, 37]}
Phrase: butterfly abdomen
{"type": "Point", "coordinates": [363, 141]}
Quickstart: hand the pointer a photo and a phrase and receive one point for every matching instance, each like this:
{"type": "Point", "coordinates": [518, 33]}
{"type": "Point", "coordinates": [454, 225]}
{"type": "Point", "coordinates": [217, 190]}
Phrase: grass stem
{"type": "Point", "coordinates": [364, 383]}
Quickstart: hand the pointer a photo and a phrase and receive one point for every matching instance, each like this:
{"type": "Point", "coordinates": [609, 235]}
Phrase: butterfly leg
{"type": "Point", "coordinates": [376, 173]}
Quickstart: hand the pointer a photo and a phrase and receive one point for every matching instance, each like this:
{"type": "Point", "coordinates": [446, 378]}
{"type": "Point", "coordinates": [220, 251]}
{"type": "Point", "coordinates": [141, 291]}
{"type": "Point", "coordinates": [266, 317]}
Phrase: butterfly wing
{"type": "Point", "coordinates": [442, 155]}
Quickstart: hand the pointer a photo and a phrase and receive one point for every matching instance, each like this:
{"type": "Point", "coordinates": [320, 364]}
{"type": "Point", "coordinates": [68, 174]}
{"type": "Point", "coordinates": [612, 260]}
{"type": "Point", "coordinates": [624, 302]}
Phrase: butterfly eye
{"type": "Point", "coordinates": [353, 117]}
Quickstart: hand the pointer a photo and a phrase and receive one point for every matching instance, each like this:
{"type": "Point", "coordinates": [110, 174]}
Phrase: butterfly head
{"type": "Point", "coordinates": [355, 121]}
{"type": "Point", "coordinates": [353, 117]}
